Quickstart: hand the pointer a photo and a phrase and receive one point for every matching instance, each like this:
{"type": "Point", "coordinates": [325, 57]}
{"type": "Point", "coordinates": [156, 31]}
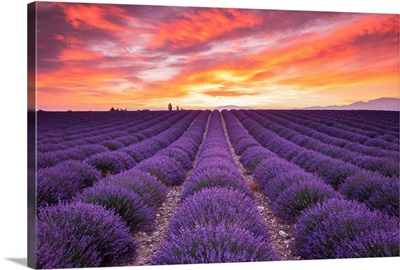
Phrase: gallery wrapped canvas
{"type": "Point", "coordinates": [166, 135]}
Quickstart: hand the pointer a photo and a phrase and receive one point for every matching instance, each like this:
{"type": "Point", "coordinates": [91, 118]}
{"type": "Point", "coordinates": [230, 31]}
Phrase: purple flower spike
{"type": "Point", "coordinates": [148, 187]}
{"type": "Point", "coordinates": [124, 202]}
{"type": "Point", "coordinates": [211, 244]}
{"type": "Point", "coordinates": [167, 170]}
{"type": "Point", "coordinates": [81, 235]}
{"type": "Point", "coordinates": [63, 181]}
{"type": "Point", "coordinates": [111, 162]}
{"type": "Point", "coordinates": [326, 228]}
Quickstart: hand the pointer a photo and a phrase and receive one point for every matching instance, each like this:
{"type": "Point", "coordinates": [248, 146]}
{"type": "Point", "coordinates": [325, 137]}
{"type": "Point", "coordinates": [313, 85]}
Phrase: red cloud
{"type": "Point", "coordinates": [93, 16]}
{"type": "Point", "coordinates": [202, 25]}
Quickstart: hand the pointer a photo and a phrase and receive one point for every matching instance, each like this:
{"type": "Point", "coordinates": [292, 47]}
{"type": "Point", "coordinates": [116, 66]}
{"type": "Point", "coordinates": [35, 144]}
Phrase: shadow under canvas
{"type": "Point", "coordinates": [20, 261]}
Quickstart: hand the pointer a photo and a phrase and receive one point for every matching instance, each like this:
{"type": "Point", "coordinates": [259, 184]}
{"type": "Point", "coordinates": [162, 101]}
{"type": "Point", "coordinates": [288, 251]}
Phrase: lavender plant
{"type": "Point", "coordinates": [326, 228]}
{"type": "Point", "coordinates": [215, 177]}
{"type": "Point", "coordinates": [252, 156]}
{"type": "Point", "coordinates": [269, 168]}
{"type": "Point", "coordinates": [63, 181]}
{"type": "Point", "coordinates": [213, 244]}
{"type": "Point", "coordinates": [377, 191]}
{"type": "Point", "coordinates": [81, 235]}
{"type": "Point", "coordinates": [148, 187]}
{"type": "Point", "coordinates": [111, 162]}
{"type": "Point", "coordinates": [282, 181]}
{"type": "Point", "coordinates": [177, 154]}
{"type": "Point", "coordinates": [301, 196]}
{"type": "Point", "coordinates": [124, 202]}
{"type": "Point", "coordinates": [167, 170]}
{"type": "Point", "coordinates": [376, 244]}
{"type": "Point", "coordinates": [213, 206]}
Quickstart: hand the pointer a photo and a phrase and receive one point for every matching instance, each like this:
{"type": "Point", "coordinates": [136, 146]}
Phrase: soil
{"type": "Point", "coordinates": [148, 243]}
{"type": "Point", "coordinates": [282, 244]}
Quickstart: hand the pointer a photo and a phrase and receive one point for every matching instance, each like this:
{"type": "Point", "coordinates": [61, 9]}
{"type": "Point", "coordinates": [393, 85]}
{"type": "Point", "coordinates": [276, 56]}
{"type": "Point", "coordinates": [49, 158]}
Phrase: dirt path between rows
{"type": "Point", "coordinates": [281, 233]}
{"type": "Point", "coordinates": [148, 243]}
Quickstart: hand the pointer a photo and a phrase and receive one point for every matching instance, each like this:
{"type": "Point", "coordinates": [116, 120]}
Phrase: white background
{"type": "Point", "coordinates": [13, 106]}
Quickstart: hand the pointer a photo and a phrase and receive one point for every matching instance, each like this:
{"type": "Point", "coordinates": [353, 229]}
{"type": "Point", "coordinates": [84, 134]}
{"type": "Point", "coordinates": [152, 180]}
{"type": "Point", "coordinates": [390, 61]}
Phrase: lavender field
{"type": "Point", "coordinates": [191, 186]}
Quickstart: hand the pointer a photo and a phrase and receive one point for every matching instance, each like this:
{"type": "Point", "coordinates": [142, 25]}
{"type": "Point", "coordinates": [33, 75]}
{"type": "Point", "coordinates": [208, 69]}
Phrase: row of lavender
{"type": "Point", "coordinates": [384, 162]}
{"type": "Point", "coordinates": [57, 128]}
{"type": "Point", "coordinates": [374, 124]}
{"type": "Point", "coordinates": [104, 140]}
{"type": "Point", "coordinates": [327, 225]}
{"type": "Point", "coordinates": [217, 220]}
{"type": "Point", "coordinates": [376, 190]}
{"type": "Point", "coordinates": [369, 134]}
{"type": "Point", "coordinates": [74, 170]}
{"type": "Point", "coordinates": [93, 227]}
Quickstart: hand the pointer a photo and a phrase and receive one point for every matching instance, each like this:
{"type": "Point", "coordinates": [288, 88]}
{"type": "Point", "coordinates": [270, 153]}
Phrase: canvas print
{"type": "Point", "coordinates": [165, 135]}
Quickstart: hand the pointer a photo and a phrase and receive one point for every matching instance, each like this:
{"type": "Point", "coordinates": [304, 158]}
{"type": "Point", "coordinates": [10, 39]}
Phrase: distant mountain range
{"type": "Point", "coordinates": [380, 104]}
{"type": "Point", "coordinates": [231, 107]}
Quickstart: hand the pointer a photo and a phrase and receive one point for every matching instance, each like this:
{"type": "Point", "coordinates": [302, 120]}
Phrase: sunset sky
{"type": "Point", "coordinates": [93, 57]}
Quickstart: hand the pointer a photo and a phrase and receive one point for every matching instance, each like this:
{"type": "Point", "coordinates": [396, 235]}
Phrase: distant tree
{"type": "Point", "coordinates": [169, 106]}
{"type": "Point", "coordinates": [112, 109]}
{"type": "Point", "coordinates": [181, 109]}
{"type": "Point", "coordinates": [177, 107]}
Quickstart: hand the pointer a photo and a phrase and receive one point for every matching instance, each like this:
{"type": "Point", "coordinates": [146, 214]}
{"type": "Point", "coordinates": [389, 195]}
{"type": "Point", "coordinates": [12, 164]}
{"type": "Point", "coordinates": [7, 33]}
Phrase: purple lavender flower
{"type": "Point", "coordinates": [81, 235]}
{"type": "Point", "coordinates": [377, 191]}
{"type": "Point", "coordinates": [111, 162]}
{"type": "Point", "coordinates": [300, 196]}
{"type": "Point", "coordinates": [322, 229]}
{"type": "Point", "coordinates": [49, 159]}
{"type": "Point", "coordinates": [219, 205]}
{"type": "Point", "coordinates": [215, 151]}
{"type": "Point", "coordinates": [269, 168]}
{"type": "Point", "coordinates": [221, 163]}
{"type": "Point", "coordinates": [124, 202]}
{"type": "Point", "coordinates": [167, 170]}
{"type": "Point", "coordinates": [215, 177]}
{"type": "Point", "coordinates": [244, 144]}
{"type": "Point", "coordinates": [361, 185]}
{"type": "Point", "coordinates": [127, 140]}
{"type": "Point", "coordinates": [113, 144]}
{"type": "Point", "coordinates": [252, 156]}
{"type": "Point", "coordinates": [332, 171]}
{"type": "Point", "coordinates": [375, 244]}
{"type": "Point", "coordinates": [189, 146]}
{"type": "Point", "coordinates": [148, 187]}
{"type": "Point", "coordinates": [213, 244]}
{"type": "Point", "coordinates": [386, 197]}
{"type": "Point", "coordinates": [63, 181]}
{"type": "Point", "coordinates": [177, 154]}
{"type": "Point", "coordinates": [279, 183]}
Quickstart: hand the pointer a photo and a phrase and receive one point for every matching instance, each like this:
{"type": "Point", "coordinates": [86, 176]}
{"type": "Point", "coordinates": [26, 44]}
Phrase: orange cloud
{"type": "Point", "coordinates": [79, 55]}
{"type": "Point", "coordinates": [202, 25]}
{"type": "Point", "coordinates": [348, 55]}
{"type": "Point", "coordinates": [93, 16]}
{"type": "Point", "coordinates": [75, 75]}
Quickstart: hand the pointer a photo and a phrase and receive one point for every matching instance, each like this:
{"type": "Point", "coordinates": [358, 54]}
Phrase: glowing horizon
{"type": "Point", "coordinates": [98, 56]}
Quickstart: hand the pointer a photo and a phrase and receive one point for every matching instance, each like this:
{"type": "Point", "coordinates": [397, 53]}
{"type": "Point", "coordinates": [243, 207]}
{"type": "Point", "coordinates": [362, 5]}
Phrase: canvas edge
{"type": "Point", "coordinates": [31, 128]}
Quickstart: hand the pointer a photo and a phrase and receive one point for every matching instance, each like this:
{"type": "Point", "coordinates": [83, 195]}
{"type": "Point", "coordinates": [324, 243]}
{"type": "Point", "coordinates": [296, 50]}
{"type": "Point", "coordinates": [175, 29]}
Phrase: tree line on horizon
{"type": "Point", "coordinates": [177, 107]}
